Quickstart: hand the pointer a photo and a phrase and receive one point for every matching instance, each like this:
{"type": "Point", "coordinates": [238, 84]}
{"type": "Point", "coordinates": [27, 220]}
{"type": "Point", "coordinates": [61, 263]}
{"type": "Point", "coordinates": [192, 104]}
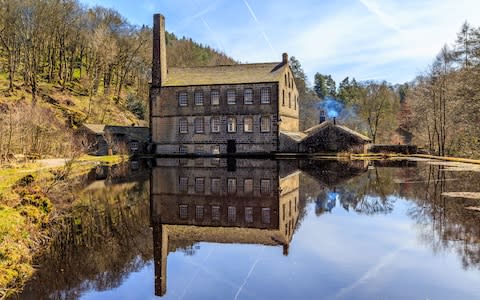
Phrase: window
{"type": "Point", "coordinates": [289, 82]}
{"type": "Point", "coordinates": [283, 97]}
{"type": "Point", "coordinates": [289, 100]}
{"type": "Point", "coordinates": [183, 211]}
{"type": "Point", "coordinates": [183, 184]}
{"type": "Point", "coordinates": [215, 186]}
{"type": "Point", "coordinates": [214, 97]}
{"type": "Point", "coordinates": [265, 186]}
{"type": "Point", "coordinates": [295, 103]}
{"type": "Point", "coordinates": [265, 95]}
{"type": "Point", "coordinates": [249, 214]}
{"type": "Point", "coordinates": [266, 215]}
{"type": "Point", "coordinates": [248, 186]}
{"type": "Point", "coordinates": [183, 126]}
{"type": "Point", "coordinates": [231, 124]}
{"type": "Point", "coordinates": [248, 96]}
{"type": "Point", "coordinates": [199, 184]}
{"type": "Point", "coordinates": [232, 214]}
{"type": "Point", "coordinates": [215, 124]}
{"type": "Point", "coordinates": [231, 97]}
{"type": "Point", "coordinates": [286, 82]}
{"type": "Point", "coordinates": [199, 212]}
{"type": "Point", "coordinates": [248, 124]}
{"type": "Point", "coordinates": [216, 213]}
{"type": "Point", "coordinates": [182, 99]}
{"type": "Point", "coordinates": [198, 96]}
{"type": "Point", "coordinates": [199, 128]}
{"type": "Point", "coordinates": [182, 149]}
{"type": "Point", "coordinates": [134, 146]}
{"type": "Point", "coordinates": [265, 124]}
{"type": "Point", "coordinates": [231, 185]}
{"type": "Point", "coordinates": [283, 212]}
{"type": "Point", "coordinates": [216, 149]}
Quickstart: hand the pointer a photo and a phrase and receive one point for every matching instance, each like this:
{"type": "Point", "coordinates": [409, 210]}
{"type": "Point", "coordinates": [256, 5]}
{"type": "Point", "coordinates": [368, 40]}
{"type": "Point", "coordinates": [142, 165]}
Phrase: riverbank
{"type": "Point", "coordinates": [29, 204]}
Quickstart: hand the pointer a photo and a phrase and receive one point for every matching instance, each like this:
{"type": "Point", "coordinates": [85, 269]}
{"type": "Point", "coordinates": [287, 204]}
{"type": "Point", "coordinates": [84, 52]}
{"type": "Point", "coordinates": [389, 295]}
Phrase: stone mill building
{"type": "Point", "coordinates": [226, 109]}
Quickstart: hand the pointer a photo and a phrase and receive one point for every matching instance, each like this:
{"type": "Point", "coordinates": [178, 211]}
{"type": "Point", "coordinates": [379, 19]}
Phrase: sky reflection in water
{"type": "Point", "coordinates": [396, 248]}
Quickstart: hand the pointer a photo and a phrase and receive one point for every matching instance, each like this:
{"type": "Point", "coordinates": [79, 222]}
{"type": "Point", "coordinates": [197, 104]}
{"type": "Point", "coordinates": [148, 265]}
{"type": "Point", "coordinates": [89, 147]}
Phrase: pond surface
{"type": "Point", "coordinates": [266, 229]}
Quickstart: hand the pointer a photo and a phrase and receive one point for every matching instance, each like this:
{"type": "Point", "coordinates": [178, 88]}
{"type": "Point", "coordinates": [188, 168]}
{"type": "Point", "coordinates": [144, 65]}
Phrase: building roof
{"type": "Point", "coordinates": [227, 235]}
{"type": "Point", "coordinates": [95, 128]}
{"type": "Point", "coordinates": [226, 74]}
{"type": "Point", "coordinates": [317, 128]}
{"type": "Point", "coordinates": [134, 132]}
{"type": "Point", "coordinates": [297, 136]}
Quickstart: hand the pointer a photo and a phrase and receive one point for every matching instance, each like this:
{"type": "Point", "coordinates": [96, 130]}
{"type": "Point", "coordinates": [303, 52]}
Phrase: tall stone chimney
{"type": "Point", "coordinates": [159, 63]}
{"type": "Point", "coordinates": [285, 58]}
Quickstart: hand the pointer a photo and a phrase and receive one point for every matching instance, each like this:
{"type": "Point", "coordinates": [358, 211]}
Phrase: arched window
{"type": "Point", "coordinates": [199, 128]}
{"type": "Point", "coordinates": [265, 124]}
{"type": "Point", "coordinates": [283, 97]}
{"type": "Point", "coordinates": [289, 100]}
{"type": "Point", "coordinates": [183, 126]}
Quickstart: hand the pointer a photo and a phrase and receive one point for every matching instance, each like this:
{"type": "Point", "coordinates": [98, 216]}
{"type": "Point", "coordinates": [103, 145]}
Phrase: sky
{"type": "Point", "coordinates": [392, 40]}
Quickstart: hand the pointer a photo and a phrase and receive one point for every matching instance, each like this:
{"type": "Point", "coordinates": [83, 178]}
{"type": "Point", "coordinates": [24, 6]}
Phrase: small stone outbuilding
{"type": "Point", "coordinates": [101, 139]}
{"type": "Point", "coordinates": [330, 137]}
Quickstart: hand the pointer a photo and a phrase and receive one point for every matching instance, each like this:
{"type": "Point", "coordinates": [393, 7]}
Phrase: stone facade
{"type": "Point", "coordinates": [221, 109]}
{"type": "Point", "coordinates": [221, 201]}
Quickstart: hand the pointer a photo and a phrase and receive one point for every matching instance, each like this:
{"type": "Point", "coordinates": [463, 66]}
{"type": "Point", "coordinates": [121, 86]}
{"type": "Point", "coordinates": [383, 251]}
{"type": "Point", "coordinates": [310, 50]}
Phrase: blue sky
{"type": "Point", "coordinates": [366, 39]}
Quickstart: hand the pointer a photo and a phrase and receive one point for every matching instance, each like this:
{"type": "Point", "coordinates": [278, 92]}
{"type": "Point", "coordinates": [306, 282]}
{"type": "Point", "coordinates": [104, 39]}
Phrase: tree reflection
{"type": "Point", "coordinates": [444, 222]}
{"type": "Point", "coordinates": [104, 238]}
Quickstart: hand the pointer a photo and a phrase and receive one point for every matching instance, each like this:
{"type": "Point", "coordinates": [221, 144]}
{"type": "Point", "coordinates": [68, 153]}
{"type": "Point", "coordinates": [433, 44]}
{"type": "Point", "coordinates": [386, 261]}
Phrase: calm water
{"type": "Point", "coordinates": [265, 229]}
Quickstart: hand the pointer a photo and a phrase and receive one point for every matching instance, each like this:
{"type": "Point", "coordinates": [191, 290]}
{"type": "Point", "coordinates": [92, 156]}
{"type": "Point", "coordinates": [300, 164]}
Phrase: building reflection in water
{"type": "Point", "coordinates": [221, 201]}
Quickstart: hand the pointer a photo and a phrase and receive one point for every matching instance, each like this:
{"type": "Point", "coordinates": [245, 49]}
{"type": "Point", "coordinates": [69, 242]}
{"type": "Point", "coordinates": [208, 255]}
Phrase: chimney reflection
{"type": "Point", "coordinates": [221, 201]}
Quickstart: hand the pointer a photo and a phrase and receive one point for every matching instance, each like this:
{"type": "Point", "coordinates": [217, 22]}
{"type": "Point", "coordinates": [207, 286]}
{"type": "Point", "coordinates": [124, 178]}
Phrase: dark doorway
{"type": "Point", "coordinates": [231, 146]}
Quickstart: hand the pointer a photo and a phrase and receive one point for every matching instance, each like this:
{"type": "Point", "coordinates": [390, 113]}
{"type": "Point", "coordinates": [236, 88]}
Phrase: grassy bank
{"type": "Point", "coordinates": [27, 209]}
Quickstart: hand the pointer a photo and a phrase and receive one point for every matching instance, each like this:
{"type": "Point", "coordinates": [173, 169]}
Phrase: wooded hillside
{"type": "Point", "coordinates": [63, 64]}
{"type": "Point", "coordinates": [439, 110]}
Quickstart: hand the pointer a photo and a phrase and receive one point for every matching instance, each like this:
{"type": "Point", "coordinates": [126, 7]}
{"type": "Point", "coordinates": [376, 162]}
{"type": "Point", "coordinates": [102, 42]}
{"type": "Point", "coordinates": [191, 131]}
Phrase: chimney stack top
{"type": "Point", "coordinates": [285, 57]}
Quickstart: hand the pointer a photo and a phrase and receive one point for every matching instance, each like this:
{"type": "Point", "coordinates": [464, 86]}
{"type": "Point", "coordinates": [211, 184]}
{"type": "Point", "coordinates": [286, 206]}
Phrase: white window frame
{"type": "Point", "coordinates": [266, 216]}
{"type": "Point", "coordinates": [216, 185]}
{"type": "Point", "coordinates": [231, 97]}
{"type": "Point", "coordinates": [197, 122]}
{"type": "Point", "coordinates": [249, 185]}
{"type": "Point", "coordinates": [216, 214]}
{"type": "Point", "coordinates": [231, 124]}
{"type": "Point", "coordinates": [248, 96]}
{"type": "Point", "coordinates": [265, 124]}
{"type": "Point", "coordinates": [214, 97]}
{"type": "Point", "coordinates": [265, 95]}
{"type": "Point", "coordinates": [248, 214]}
{"type": "Point", "coordinates": [183, 184]}
{"type": "Point", "coordinates": [215, 124]}
{"type": "Point", "coordinates": [265, 186]}
{"type": "Point", "coordinates": [232, 214]}
{"type": "Point", "coordinates": [245, 127]}
{"type": "Point", "coordinates": [199, 212]}
{"type": "Point", "coordinates": [198, 98]}
{"type": "Point", "coordinates": [183, 211]}
{"type": "Point", "coordinates": [199, 184]}
{"type": "Point", "coordinates": [231, 185]}
{"type": "Point", "coordinates": [183, 126]}
{"type": "Point", "coordinates": [182, 98]}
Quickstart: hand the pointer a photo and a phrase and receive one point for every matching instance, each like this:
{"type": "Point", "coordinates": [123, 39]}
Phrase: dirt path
{"type": "Point", "coordinates": [52, 162]}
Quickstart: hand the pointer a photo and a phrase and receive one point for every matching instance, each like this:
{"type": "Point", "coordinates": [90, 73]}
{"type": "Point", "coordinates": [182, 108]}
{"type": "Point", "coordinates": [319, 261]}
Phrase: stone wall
{"type": "Point", "coordinates": [288, 101]}
{"type": "Point", "coordinates": [167, 115]}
